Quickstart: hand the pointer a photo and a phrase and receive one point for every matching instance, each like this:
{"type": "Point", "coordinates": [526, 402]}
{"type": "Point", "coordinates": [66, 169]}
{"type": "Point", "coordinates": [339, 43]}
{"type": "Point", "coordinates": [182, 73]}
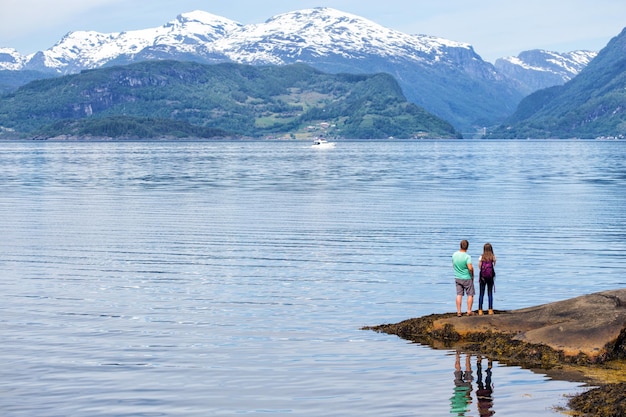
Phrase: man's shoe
{"type": "Point", "coordinates": [490, 311]}
{"type": "Point", "coordinates": [480, 312]}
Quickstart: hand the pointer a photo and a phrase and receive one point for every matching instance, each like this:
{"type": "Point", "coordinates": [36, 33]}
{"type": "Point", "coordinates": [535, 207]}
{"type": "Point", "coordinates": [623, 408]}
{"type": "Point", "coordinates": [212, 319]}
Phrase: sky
{"type": "Point", "coordinates": [495, 28]}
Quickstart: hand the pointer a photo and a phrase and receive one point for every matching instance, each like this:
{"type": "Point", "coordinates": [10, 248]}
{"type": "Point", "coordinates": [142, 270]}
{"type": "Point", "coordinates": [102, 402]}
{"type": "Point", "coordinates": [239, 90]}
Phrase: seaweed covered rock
{"type": "Point", "coordinates": [585, 329]}
{"type": "Point", "coordinates": [606, 401]}
{"type": "Point", "coordinates": [555, 337]}
{"type": "Point", "coordinates": [591, 325]}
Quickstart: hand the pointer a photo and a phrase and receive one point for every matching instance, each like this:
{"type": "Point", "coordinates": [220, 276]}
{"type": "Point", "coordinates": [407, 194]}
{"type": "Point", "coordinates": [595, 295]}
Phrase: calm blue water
{"type": "Point", "coordinates": [208, 279]}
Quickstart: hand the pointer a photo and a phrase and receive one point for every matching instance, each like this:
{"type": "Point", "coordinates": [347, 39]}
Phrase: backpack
{"type": "Point", "coordinates": [486, 270]}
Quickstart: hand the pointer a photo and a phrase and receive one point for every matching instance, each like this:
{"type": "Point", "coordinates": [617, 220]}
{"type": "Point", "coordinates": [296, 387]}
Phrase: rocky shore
{"type": "Point", "coordinates": [581, 339]}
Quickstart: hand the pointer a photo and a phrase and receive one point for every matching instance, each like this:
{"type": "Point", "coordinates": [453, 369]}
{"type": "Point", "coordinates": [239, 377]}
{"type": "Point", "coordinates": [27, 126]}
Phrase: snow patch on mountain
{"type": "Point", "coordinates": [11, 60]}
{"type": "Point", "coordinates": [325, 31]}
{"type": "Point", "coordinates": [75, 47]}
{"type": "Point", "coordinates": [567, 65]}
{"type": "Point", "coordinates": [186, 34]}
{"type": "Point", "coordinates": [537, 69]}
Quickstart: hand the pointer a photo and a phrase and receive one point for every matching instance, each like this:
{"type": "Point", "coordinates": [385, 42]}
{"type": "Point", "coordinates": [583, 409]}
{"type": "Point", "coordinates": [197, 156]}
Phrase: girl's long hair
{"type": "Point", "coordinates": [488, 253]}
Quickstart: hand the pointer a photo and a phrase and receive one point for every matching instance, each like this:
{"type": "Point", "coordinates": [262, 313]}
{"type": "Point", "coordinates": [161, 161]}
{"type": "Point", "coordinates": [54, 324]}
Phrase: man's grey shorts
{"type": "Point", "coordinates": [465, 286]}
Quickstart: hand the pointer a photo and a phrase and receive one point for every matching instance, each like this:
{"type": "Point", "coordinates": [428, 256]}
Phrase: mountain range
{"type": "Point", "coordinates": [538, 69]}
{"type": "Point", "coordinates": [447, 78]}
{"type": "Point", "coordinates": [590, 105]}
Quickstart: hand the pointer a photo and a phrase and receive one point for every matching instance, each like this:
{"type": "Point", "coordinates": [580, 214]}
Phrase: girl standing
{"type": "Point", "coordinates": [486, 266]}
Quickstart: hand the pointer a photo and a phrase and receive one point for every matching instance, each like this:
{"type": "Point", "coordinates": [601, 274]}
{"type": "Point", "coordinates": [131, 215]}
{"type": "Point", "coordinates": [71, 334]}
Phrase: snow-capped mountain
{"type": "Point", "coordinates": [537, 69]}
{"type": "Point", "coordinates": [590, 105]}
{"type": "Point", "coordinates": [11, 60]}
{"type": "Point", "coordinates": [445, 77]}
{"type": "Point", "coordinates": [190, 34]}
{"type": "Point", "coordinates": [297, 36]}
{"type": "Point", "coordinates": [323, 32]}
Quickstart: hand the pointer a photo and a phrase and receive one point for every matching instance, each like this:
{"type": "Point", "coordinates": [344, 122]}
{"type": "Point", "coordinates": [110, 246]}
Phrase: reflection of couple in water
{"type": "Point", "coordinates": [462, 397]}
{"type": "Point", "coordinates": [483, 393]}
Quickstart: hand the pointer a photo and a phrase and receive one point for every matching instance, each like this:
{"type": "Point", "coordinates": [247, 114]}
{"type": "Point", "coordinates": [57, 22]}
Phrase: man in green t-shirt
{"type": "Point", "coordinates": [464, 277]}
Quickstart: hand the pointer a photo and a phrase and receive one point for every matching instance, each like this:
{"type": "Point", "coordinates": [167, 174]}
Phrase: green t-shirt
{"type": "Point", "coordinates": [460, 260]}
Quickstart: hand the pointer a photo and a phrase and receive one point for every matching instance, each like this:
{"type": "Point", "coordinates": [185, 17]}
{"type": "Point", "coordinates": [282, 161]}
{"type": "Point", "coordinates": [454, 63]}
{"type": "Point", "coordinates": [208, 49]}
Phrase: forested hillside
{"type": "Point", "coordinates": [235, 99]}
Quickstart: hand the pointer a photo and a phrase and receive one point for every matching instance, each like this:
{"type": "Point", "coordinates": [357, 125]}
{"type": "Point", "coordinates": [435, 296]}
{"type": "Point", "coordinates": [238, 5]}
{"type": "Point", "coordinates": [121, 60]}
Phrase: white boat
{"type": "Point", "coordinates": [320, 143]}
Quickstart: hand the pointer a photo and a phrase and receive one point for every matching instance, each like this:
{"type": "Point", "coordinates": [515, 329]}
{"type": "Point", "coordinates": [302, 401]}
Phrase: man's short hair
{"type": "Point", "coordinates": [464, 244]}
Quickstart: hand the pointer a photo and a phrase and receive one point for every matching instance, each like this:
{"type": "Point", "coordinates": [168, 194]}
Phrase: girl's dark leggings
{"type": "Point", "coordinates": [481, 297]}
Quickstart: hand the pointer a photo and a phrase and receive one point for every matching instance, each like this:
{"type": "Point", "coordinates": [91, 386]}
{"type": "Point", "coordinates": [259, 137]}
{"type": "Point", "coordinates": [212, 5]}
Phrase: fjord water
{"type": "Point", "coordinates": [222, 278]}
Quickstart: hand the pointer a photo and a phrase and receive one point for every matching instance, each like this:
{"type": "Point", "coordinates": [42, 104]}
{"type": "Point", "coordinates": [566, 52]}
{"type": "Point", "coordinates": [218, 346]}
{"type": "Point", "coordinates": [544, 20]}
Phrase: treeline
{"type": "Point", "coordinates": [130, 128]}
